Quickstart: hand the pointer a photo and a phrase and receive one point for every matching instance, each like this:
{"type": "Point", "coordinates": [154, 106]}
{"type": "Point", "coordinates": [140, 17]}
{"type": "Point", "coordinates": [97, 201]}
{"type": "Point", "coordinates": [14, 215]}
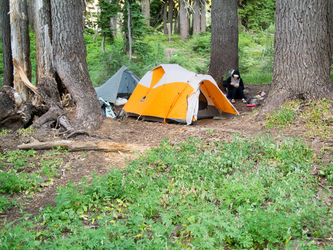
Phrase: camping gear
{"type": "Point", "coordinates": [121, 84]}
{"type": "Point", "coordinates": [261, 95]}
{"type": "Point", "coordinates": [106, 108]}
{"type": "Point", "coordinates": [253, 102]}
{"type": "Point", "coordinates": [171, 93]}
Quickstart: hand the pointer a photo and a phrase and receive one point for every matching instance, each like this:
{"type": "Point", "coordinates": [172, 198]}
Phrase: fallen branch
{"type": "Point", "coordinates": [84, 146]}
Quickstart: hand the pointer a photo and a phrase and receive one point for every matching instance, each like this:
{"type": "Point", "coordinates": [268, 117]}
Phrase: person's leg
{"type": "Point", "coordinates": [241, 93]}
{"type": "Point", "coordinates": [233, 92]}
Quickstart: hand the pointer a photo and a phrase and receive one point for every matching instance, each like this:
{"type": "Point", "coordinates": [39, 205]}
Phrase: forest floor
{"type": "Point", "coordinates": [77, 165]}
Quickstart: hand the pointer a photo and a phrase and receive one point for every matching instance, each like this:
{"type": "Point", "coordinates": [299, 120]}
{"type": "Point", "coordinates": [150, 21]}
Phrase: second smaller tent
{"type": "Point", "coordinates": [121, 84]}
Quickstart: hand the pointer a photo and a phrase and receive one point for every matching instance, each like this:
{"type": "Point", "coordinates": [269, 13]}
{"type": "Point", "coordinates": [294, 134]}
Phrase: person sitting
{"type": "Point", "coordinates": [235, 86]}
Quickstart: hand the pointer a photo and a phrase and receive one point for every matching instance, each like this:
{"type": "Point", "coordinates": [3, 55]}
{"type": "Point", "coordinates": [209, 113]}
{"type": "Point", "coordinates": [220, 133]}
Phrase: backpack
{"type": "Point", "coordinates": [231, 72]}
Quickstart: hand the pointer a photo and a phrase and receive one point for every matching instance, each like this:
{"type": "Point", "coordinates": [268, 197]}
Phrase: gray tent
{"type": "Point", "coordinates": [121, 84]}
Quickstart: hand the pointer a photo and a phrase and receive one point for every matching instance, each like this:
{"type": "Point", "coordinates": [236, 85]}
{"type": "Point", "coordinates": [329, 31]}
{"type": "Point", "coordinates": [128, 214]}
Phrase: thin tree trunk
{"type": "Point", "coordinates": [129, 31]}
{"type": "Point", "coordinates": [302, 53]}
{"type": "Point", "coordinates": [184, 19]}
{"type": "Point", "coordinates": [8, 77]}
{"type": "Point", "coordinates": [196, 17]}
{"type": "Point", "coordinates": [165, 17]}
{"type": "Point", "coordinates": [224, 40]}
{"type": "Point", "coordinates": [113, 25]}
{"type": "Point", "coordinates": [69, 54]}
{"type": "Point", "coordinates": [170, 14]}
{"type": "Point", "coordinates": [203, 16]}
{"type": "Point", "coordinates": [20, 46]}
{"type": "Point", "coordinates": [145, 7]}
{"type": "Point", "coordinates": [103, 44]}
{"type": "Point", "coordinates": [177, 21]}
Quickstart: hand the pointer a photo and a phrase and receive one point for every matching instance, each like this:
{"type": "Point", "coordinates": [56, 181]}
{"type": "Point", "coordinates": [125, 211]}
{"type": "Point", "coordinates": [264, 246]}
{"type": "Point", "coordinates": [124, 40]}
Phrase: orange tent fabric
{"type": "Point", "coordinates": [170, 92]}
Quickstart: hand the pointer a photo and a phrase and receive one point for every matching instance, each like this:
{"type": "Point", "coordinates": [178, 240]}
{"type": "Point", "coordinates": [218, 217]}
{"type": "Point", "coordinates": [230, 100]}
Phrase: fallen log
{"type": "Point", "coordinates": [84, 146]}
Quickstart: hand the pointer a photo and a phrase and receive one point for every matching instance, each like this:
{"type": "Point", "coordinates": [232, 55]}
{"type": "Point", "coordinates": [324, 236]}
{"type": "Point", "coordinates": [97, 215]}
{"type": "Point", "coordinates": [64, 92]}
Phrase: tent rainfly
{"type": "Point", "coordinates": [121, 84]}
{"type": "Point", "coordinates": [172, 93]}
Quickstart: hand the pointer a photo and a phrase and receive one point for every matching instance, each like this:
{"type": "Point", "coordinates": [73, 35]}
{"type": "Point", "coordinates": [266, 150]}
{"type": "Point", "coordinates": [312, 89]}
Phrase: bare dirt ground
{"type": "Point", "coordinates": [84, 164]}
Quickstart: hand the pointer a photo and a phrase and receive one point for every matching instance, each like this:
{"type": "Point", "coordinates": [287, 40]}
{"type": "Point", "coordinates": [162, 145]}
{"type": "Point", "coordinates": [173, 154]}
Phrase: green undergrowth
{"type": "Point", "coordinates": [26, 172]}
{"type": "Point", "coordinates": [316, 115]}
{"type": "Point", "coordinates": [248, 193]}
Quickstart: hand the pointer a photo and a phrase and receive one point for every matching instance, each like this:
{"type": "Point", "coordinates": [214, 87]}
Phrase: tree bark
{"type": "Point", "coordinates": [170, 13]}
{"type": "Point", "coordinates": [145, 7]}
{"type": "Point", "coordinates": [113, 24]}
{"type": "Point", "coordinates": [20, 44]}
{"type": "Point", "coordinates": [196, 17]}
{"type": "Point", "coordinates": [224, 40]}
{"type": "Point", "coordinates": [184, 19]}
{"type": "Point", "coordinates": [302, 53]}
{"type": "Point", "coordinates": [177, 23]}
{"type": "Point", "coordinates": [69, 55]}
{"type": "Point", "coordinates": [165, 17]}
{"type": "Point", "coordinates": [330, 25]}
{"type": "Point", "coordinates": [31, 14]}
{"type": "Point", "coordinates": [84, 146]}
{"type": "Point", "coordinates": [203, 16]}
{"type": "Point", "coordinates": [8, 77]}
{"type": "Point", "coordinates": [129, 30]}
{"type": "Point", "coordinates": [42, 18]}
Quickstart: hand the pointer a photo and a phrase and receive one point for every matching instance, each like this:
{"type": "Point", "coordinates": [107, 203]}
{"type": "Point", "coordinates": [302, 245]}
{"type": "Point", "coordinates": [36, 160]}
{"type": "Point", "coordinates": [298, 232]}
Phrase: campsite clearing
{"type": "Point", "coordinates": [79, 164]}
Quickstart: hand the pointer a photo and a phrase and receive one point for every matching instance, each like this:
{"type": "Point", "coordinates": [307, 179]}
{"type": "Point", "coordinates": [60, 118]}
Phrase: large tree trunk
{"type": "Point", "coordinates": [70, 62]}
{"type": "Point", "coordinates": [302, 53]}
{"type": "Point", "coordinates": [145, 7]}
{"type": "Point", "coordinates": [184, 21]}
{"type": "Point", "coordinates": [196, 17]}
{"type": "Point", "coordinates": [20, 46]}
{"type": "Point", "coordinates": [330, 25]}
{"type": "Point", "coordinates": [224, 40]}
{"type": "Point", "coordinates": [8, 77]}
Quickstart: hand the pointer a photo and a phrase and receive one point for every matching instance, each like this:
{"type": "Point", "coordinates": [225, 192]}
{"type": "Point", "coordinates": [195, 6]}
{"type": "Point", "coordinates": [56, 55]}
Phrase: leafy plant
{"type": "Point", "coordinates": [26, 131]}
{"type": "Point", "coordinates": [282, 117]}
{"type": "Point", "coordinates": [245, 193]}
{"type": "Point", "coordinates": [3, 132]}
{"type": "Point", "coordinates": [19, 173]}
{"type": "Point", "coordinates": [6, 203]}
{"type": "Point", "coordinates": [318, 117]}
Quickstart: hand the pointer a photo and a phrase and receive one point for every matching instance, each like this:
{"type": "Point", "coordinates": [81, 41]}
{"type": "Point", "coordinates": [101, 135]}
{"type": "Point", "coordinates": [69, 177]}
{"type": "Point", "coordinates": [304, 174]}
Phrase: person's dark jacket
{"type": "Point", "coordinates": [226, 83]}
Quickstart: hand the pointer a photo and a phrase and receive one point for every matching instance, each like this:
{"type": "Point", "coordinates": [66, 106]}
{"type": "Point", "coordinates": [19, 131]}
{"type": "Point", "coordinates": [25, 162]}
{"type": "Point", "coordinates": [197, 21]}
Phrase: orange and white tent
{"type": "Point", "coordinates": [172, 93]}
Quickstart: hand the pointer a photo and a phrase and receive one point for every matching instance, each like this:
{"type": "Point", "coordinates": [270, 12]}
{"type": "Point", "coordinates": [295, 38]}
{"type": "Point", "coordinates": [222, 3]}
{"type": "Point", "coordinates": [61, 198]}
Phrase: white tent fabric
{"type": "Point", "coordinates": [170, 92]}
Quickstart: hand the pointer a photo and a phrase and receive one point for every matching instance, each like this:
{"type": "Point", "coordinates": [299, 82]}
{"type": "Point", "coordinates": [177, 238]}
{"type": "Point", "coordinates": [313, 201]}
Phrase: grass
{"type": "Point", "coordinates": [317, 117]}
{"type": "Point", "coordinates": [254, 192]}
{"type": "Point", "coordinates": [25, 172]}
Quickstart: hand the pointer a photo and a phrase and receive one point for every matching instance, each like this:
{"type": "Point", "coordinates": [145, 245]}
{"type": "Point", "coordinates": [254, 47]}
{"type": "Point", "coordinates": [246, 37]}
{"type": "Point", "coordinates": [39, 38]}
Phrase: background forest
{"type": "Point", "coordinates": [107, 52]}
{"type": "Point", "coordinates": [234, 183]}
